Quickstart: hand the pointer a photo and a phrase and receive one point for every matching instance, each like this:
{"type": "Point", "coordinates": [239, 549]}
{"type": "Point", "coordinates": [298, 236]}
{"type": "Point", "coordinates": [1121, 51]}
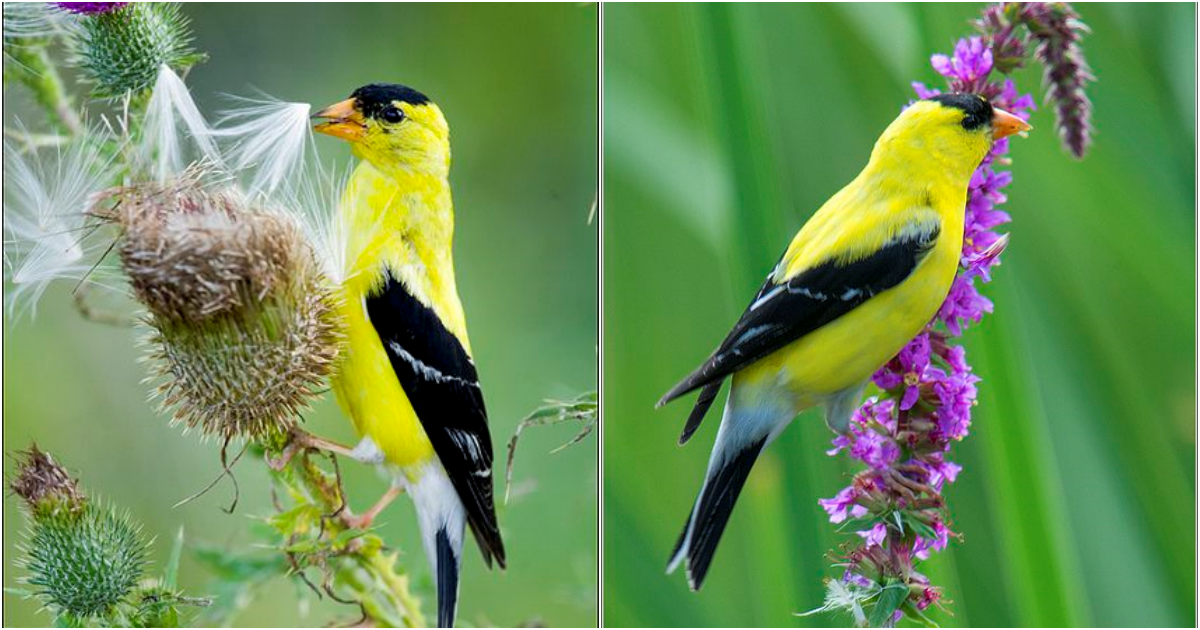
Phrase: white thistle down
{"type": "Point", "coordinates": [270, 149]}
{"type": "Point", "coordinates": [269, 145]}
{"type": "Point", "coordinates": [30, 20]}
{"type": "Point", "coordinates": [845, 597]}
{"type": "Point", "coordinates": [48, 234]}
{"type": "Point", "coordinates": [163, 144]}
{"type": "Point", "coordinates": [268, 138]}
{"type": "Point", "coordinates": [315, 201]}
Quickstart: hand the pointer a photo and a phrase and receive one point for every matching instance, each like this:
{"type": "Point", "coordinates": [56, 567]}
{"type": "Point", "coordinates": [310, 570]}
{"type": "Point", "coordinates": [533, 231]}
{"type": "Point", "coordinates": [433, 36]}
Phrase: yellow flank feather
{"type": "Point", "coordinates": [398, 217]}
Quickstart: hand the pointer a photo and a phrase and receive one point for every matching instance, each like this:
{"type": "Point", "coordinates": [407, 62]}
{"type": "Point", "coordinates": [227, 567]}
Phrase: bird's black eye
{"type": "Point", "coordinates": [392, 114]}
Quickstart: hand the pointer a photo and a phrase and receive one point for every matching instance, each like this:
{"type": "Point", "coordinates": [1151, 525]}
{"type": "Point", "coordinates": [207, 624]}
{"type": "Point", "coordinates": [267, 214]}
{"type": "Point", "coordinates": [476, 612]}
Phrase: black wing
{"type": "Point", "coordinates": [783, 313]}
{"type": "Point", "coordinates": [440, 380]}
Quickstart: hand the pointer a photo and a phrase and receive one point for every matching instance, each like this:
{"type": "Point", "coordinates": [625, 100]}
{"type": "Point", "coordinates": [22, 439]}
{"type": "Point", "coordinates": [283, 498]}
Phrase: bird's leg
{"type": "Point", "coordinates": [300, 439]}
{"type": "Point", "coordinates": [364, 520]}
{"type": "Point", "coordinates": [308, 440]}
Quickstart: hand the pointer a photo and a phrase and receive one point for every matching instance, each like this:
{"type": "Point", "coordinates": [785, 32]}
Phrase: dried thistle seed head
{"type": "Point", "coordinates": [45, 486]}
{"type": "Point", "coordinates": [243, 329]}
{"type": "Point", "coordinates": [194, 252]}
{"type": "Point", "coordinates": [83, 565]}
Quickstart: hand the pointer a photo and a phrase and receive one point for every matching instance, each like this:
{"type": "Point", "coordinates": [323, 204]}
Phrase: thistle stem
{"type": "Point", "coordinates": [366, 570]}
{"type": "Point", "coordinates": [36, 71]}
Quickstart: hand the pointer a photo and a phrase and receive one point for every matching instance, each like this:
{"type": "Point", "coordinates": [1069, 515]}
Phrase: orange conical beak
{"type": "Point", "coordinates": [345, 121]}
{"type": "Point", "coordinates": [1005, 124]}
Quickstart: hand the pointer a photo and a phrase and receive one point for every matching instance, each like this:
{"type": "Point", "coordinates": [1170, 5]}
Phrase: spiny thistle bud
{"type": "Point", "coordinates": [84, 558]}
{"type": "Point", "coordinates": [121, 49]}
{"type": "Point", "coordinates": [243, 327]}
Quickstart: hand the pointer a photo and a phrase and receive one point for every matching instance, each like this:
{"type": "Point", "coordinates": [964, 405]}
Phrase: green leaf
{"type": "Point", "coordinates": [890, 598]}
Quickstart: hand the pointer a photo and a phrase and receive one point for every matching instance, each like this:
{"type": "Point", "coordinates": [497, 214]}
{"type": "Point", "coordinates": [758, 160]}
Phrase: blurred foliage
{"type": "Point", "coordinates": [583, 409]}
{"type": "Point", "coordinates": [1087, 402]}
{"type": "Point", "coordinates": [518, 85]}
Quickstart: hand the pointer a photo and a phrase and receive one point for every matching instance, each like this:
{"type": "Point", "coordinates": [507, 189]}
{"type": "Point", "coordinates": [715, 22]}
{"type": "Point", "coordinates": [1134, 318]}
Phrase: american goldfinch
{"type": "Point", "coordinates": [866, 273]}
{"type": "Point", "coordinates": [407, 379]}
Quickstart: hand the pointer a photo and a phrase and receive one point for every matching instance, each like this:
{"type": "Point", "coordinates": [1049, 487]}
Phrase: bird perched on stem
{"type": "Point", "coordinates": [407, 379]}
{"type": "Point", "coordinates": [860, 280]}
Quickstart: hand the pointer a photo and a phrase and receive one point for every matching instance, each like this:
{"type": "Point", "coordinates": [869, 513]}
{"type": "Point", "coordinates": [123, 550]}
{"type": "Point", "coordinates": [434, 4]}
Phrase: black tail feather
{"type": "Point", "coordinates": [487, 534]}
{"type": "Point", "coordinates": [703, 402]}
{"type": "Point", "coordinates": [447, 580]}
{"type": "Point", "coordinates": [713, 507]}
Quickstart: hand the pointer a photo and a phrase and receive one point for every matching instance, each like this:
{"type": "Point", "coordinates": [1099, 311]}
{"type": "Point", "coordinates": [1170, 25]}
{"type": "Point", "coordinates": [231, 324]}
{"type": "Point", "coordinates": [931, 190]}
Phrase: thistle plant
{"type": "Point", "coordinates": [895, 506]}
{"type": "Point", "coordinates": [84, 560]}
{"type": "Point", "coordinates": [228, 260]}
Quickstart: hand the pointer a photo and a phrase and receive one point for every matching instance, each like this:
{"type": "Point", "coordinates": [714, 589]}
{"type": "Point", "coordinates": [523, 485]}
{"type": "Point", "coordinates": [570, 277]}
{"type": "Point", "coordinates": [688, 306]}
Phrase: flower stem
{"type": "Point", "coordinates": [34, 68]}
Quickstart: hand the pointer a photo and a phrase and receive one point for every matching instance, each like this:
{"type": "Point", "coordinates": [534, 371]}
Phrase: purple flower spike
{"type": "Point", "coordinates": [903, 437]}
{"type": "Point", "coordinates": [89, 8]}
{"type": "Point", "coordinates": [1057, 31]}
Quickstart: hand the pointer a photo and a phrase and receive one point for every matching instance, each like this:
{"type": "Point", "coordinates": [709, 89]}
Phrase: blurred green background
{"type": "Point", "coordinates": [518, 85]}
{"type": "Point", "coordinates": [725, 128]}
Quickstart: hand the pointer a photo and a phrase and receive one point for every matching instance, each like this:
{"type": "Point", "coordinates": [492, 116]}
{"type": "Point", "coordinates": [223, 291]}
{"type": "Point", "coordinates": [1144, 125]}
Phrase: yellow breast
{"type": "Point", "coordinates": [401, 225]}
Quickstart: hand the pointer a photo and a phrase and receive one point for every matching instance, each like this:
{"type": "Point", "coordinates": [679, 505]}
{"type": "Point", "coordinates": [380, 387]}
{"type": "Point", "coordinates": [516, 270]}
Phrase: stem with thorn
{"type": "Point", "coordinates": [316, 532]}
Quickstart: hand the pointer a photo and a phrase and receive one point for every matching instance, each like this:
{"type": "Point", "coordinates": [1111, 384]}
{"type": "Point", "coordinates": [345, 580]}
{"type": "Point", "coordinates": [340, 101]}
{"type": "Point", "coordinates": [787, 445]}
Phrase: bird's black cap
{"type": "Point", "coordinates": [372, 99]}
{"type": "Point", "coordinates": [977, 108]}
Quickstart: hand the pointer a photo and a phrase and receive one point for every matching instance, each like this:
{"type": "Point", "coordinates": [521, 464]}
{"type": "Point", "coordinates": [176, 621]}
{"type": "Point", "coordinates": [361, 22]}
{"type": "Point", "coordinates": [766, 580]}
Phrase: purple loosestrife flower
{"type": "Point", "coordinates": [904, 436]}
{"type": "Point", "coordinates": [964, 303]}
{"type": "Point", "coordinates": [850, 577]}
{"type": "Point", "coordinates": [845, 503]}
{"type": "Point", "coordinates": [908, 369]}
{"type": "Point", "coordinates": [874, 536]}
{"type": "Point", "coordinates": [968, 69]}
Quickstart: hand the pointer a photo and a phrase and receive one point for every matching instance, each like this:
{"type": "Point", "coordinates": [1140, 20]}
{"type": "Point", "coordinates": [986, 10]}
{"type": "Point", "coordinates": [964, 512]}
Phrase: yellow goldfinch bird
{"type": "Point", "coordinates": [407, 379]}
{"type": "Point", "coordinates": [866, 273]}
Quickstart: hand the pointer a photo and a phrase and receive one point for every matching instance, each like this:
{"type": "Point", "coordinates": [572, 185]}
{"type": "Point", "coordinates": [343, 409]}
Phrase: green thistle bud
{"type": "Point", "coordinates": [122, 50]}
{"type": "Point", "coordinates": [243, 327]}
{"type": "Point", "coordinates": [83, 558]}
{"type": "Point", "coordinates": [84, 564]}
